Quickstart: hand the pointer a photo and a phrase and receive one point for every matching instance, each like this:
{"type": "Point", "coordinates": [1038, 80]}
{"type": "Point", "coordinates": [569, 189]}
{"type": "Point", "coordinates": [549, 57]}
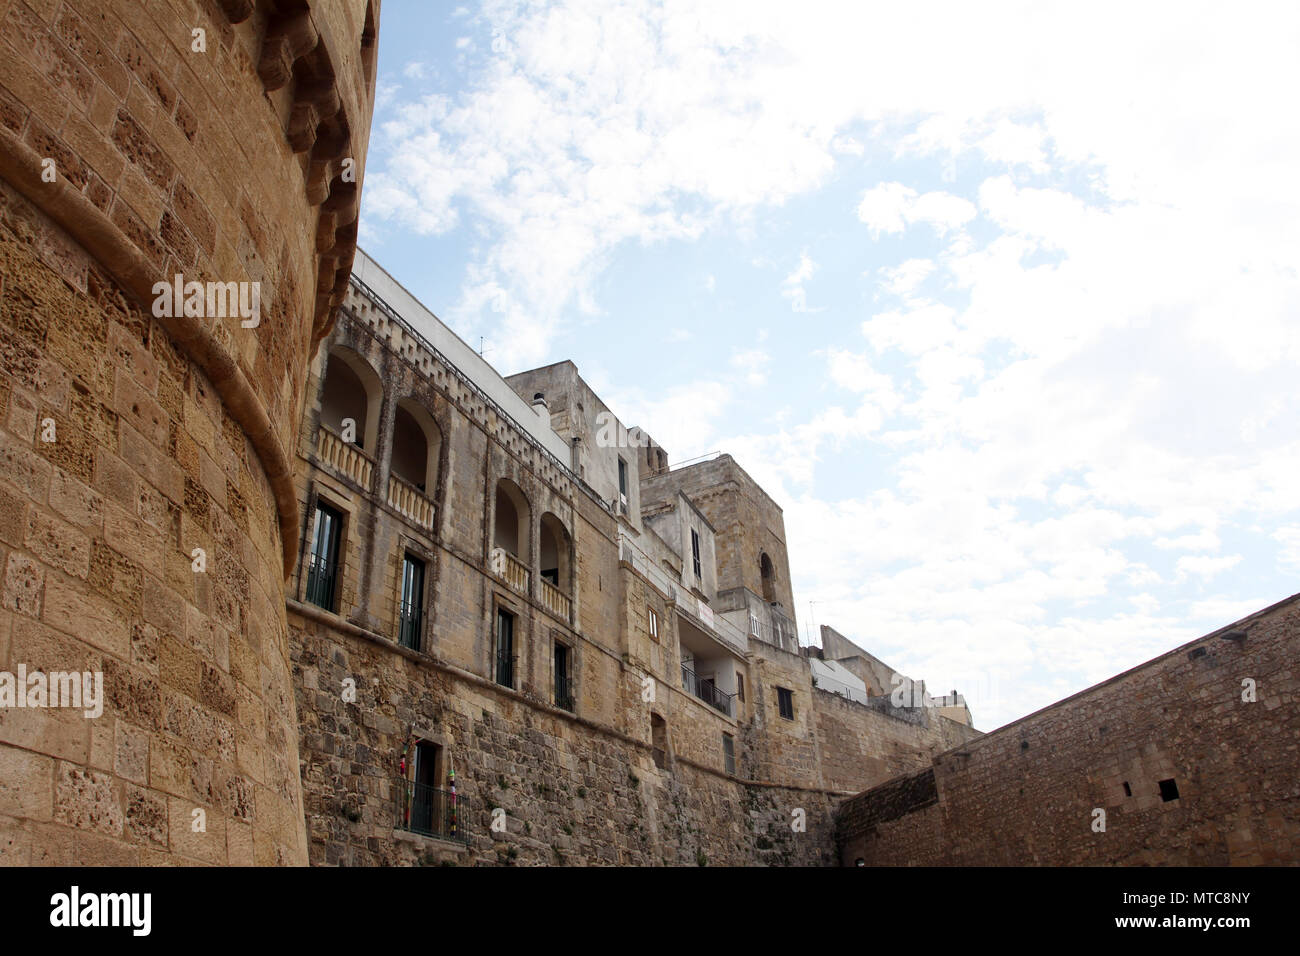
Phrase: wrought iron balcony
{"type": "Point", "coordinates": [431, 812]}
{"type": "Point", "coordinates": [708, 692]}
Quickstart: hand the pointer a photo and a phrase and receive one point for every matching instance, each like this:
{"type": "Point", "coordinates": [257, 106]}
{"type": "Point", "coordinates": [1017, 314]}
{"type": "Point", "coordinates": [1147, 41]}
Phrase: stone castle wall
{"type": "Point", "coordinates": [580, 785]}
{"type": "Point", "coordinates": [130, 152]}
{"type": "Point", "coordinates": [1028, 792]}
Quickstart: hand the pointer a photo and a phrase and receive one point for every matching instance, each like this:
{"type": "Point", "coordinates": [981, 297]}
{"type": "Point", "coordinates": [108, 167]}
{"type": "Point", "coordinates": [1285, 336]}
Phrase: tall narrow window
{"type": "Point", "coordinates": [695, 551]}
{"type": "Point", "coordinates": [412, 612]}
{"type": "Point", "coordinates": [654, 624]}
{"type": "Point", "coordinates": [659, 741]}
{"type": "Point", "coordinates": [785, 702]}
{"type": "Point", "coordinates": [322, 568]}
{"type": "Point", "coordinates": [427, 803]}
{"type": "Point", "coordinates": [740, 687]}
{"type": "Point", "coordinates": [563, 682]}
{"type": "Point", "coordinates": [622, 479]}
{"type": "Point", "coordinates": [729, 753]}
{"type": "Point", "coordinates": [505, 662]}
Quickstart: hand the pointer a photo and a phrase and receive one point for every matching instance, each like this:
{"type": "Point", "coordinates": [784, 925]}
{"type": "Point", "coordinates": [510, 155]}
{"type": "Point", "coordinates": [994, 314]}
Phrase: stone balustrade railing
{"type": "Point", "coordinates": [344, 457]}
{"type": "Point", "coordinates": [410, 501]}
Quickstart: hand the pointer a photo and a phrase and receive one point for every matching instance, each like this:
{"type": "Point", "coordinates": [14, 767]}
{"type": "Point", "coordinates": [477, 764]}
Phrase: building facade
{"type": "Point", "coordinates": [503, 590]}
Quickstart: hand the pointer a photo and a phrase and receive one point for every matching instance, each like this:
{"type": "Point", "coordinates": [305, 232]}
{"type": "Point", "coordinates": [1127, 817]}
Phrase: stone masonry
{"type": "Point", "coordinates": [1192, 758]}
{"type": "Point", "coordinates": [141, 140]}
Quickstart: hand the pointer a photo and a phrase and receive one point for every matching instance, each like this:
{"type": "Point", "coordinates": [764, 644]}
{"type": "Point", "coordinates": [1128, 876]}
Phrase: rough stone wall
{"type": "Point", "coordinates": [128, 156]}
{"type": "Point", "coordinates": [96, 538]}
{"type": "Point", "coordinates": [1027, 793]}
{"type": "Point", "coordinates": [573, 792]}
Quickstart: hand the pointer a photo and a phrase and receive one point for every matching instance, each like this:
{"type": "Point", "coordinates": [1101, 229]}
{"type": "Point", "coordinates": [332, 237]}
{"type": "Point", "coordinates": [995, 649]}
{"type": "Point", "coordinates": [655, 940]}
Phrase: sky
{"type": "Point", "coordinates": [999, 302]}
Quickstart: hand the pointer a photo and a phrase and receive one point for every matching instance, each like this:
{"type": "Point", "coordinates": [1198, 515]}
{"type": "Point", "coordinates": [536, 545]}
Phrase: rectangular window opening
{"type": "Point", "coordinates": [729, 753]}
{"type": "Point", "coordinates": [785, 701]}
{"type": "Point", "coordinates": [563, 681]}
{"type": "Point", "coordinates": [412, 608]}
{"type": "Point", "coordinates": [323, 565]}
{"type": "Point", "coordinates": [505, 655]}
{"type": "Point", "coordinates": [1168, 790]}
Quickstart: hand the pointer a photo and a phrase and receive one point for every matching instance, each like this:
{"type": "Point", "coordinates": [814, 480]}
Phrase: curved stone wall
{"type": "Point", "coordinates": [223, 142]}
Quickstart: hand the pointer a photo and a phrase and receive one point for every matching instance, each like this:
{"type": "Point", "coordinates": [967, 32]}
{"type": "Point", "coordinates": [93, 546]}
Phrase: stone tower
{"type": "Point", "coordinates": [147, 508]}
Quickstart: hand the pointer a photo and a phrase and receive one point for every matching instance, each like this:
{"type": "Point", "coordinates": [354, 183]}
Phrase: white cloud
{"type": "Point", "coordinates": [892, 207]}
{"type": "Point", "coordinates": [1054, 416]}
{"type": "Point", "coordinates": [792, 286]}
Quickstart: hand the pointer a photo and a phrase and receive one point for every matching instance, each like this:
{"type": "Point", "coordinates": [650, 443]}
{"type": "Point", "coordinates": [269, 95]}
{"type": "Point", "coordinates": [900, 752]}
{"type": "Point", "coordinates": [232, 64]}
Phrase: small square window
{"type": "Point", "coordinates": [1168, 790]}
{"type": "Point", "coordinates": [785, 702]}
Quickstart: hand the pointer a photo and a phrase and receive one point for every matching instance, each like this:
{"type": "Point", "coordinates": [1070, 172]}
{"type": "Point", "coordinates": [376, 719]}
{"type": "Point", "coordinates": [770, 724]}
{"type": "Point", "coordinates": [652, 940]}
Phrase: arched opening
{"type": "Point", "coordinates": [416, 446]}
{"type": "Point", "coordinates": [510, 528]}
{"type": "Point", "coordinates": [659, 740]}
{"type": "Point", "coordinates": [554, 556]}
{"type": "Point", "coordinates": [351, 393]}
{"type": "Point", "coordinates": [768, 573]}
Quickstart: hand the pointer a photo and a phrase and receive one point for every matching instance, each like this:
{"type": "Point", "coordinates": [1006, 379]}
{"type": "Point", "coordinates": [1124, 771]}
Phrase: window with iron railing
{"type": "Point", "coordinates": [322, 565]}
{"type": "Point", "coordinates": [707, 690]}
{"type": "Point", "coordinates": [563, 682]}
{"type": "Point", "coordinates": [432, 812]}
{"type": "Point", "coordinates": [412, 607]}
{"type": "Point", "coordinates": [505, 650]}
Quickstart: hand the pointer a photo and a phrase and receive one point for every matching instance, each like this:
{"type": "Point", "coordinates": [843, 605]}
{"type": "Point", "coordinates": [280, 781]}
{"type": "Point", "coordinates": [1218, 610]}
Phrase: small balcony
{"type": "Point", "coordinates": [555, 600]}
{"type": "Point", "coordinates": [510, 569]}
{"type": "Point", "coordinates": [431, 812]}
{"type": "Point", "coordinates": [708, 692]}
{"type": "Point", "coordinates": [344, 457]}
{"type": "Point", "coordinates": [410, 502]}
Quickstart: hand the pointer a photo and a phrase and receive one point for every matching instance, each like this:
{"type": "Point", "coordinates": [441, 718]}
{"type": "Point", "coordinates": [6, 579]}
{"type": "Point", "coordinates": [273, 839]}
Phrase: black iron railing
{"type": "Point", "coordinates": [409, 629]}
{"type": "Point", "coordinates": [506, 669]}
{"type": "Point", "coordinates": [429, 811]}
{"type": "Point", "coordinates": [564, 692]}
{"type": "Point", "coordinates": [321, 574]}
{"type": "Point", "coordinates": [707, 691]}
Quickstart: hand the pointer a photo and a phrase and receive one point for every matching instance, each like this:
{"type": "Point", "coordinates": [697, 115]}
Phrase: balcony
{"type": "Point", "coordinates": [431, 812]}
{"type": "Point", "coordinates": [410, 501]}
{"type": "Point", "coordinates": [510, 569]}
{"type": "Point", "coordinates": [553, 599]}
{"type": "Point", "coordinates": [344, 457]}
{"type": "Point", "coordinates": [708, 692]}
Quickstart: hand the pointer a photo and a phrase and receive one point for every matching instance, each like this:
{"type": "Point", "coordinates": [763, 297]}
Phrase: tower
{"type": "Point", "coordinates": [179, 189]}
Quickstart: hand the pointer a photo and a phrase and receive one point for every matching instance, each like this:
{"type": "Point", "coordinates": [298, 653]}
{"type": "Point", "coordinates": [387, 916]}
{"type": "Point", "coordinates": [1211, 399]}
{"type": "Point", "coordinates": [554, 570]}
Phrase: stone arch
{"type": "Point", "coordinates": [351, 388]}
{"type": "Point", "coordinates": [511, 520]}
{"type": "Point", "coordinates": [555, 552]}
{"type": "Point", "coordinates": [416, 446]}
{"type": "Point", "coordinates": [767, 571]}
